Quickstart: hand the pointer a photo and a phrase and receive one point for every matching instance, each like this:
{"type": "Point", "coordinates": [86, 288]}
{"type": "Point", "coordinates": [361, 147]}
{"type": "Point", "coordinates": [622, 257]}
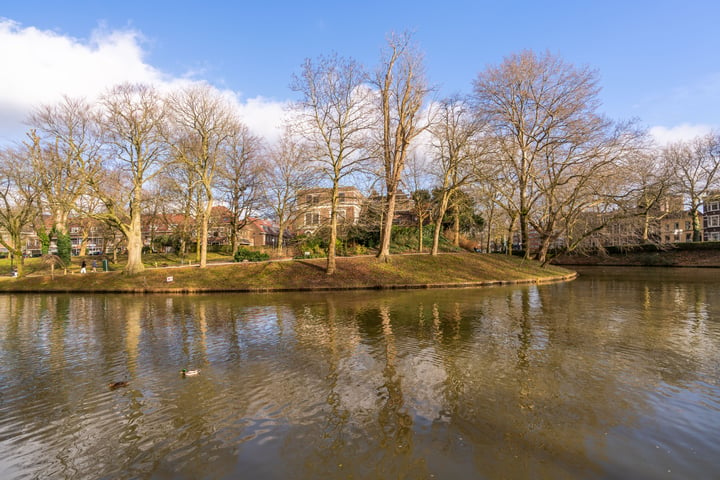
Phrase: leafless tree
{"type": "Point", "coordinates": [576, 175]}
{"type": "Point", "coordinates": [696, 164]}
{"type": "Point", "coordinates": [556, 152]}
{"type": "Point", "coordinates": [455, 145]}
{"type": "Point", "coordinates": [402, 89]}
{"type": "Point", "coordinates": [133, 127]}
{"type": "Point", "coordinates": [333, 117]}
{"type": "Point", "coordinates": [203, 126]}
{"type": "Point", "coordinates": [175, 200]}
{"type": "Point", "coordinates": [65, 153]}
{"type": "Point", "coordinates": [240, 183]}
{"type": "Point", "coordinates": [533, 102]}
{"type": "Point", "coordinates": [286, 175]}
{"type": "Point", "coordinates": [417, 179]}
{"type": "Point", "coordinates": [646, 184]}
{"type": "Point", "coordinates": [19, 201]}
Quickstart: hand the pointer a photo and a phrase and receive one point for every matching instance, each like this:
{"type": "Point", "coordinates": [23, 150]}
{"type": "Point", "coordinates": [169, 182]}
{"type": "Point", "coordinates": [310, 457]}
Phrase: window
{"type": "Point", "coordinates": [714, 206]}
{"type": "Point", "coordinates": [688, 226]}
{"type": "Point", "coordinates": [714, 221]}
{"type": "Point", "coordinates": [677, 225]}
{"type": "Point", "coordinates": [341, 196]}
{"type": "Point", "coordinates": [312, 219]}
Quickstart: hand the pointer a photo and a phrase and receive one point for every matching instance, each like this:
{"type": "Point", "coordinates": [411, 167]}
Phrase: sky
{"type": "Point", "coordinates": [658, 61]}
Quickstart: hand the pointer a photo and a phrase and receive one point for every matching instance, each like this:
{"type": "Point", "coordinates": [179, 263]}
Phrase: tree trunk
{"type": "Point", "coordinates": [524, 235]}
{"type": "Point", "coordinates": [489, 227]}
{"type": "Point", "coordinates": [420, 234]}
{"type": "Point", "coordinates": [134, 245]}
{"type": "Point", "coordinates": [386, 232]}
{"type": "Point", "coordinates": [330, 270]}
{"type": "Point", "coordinates": [204, 234]}
{"type": "Point", "coordinates": [697, 232]}
{"type": "Point", "coordinates": [281, 234]}
{"type": "Point", "coordinates": [456, 227]}
{"type": "Point", "coordinates": [438, 223]}
{"type": "Point", "coordinates": [542, 255]}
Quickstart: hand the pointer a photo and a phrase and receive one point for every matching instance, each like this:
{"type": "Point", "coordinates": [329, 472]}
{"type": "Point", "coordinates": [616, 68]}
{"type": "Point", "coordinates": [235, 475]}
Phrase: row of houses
{"type": "Point", "coordinates": [670, 224]}
{"type": "Point", "coordinates": [667, 223]}
{"type": "Point", "coordinates": [160, 232]}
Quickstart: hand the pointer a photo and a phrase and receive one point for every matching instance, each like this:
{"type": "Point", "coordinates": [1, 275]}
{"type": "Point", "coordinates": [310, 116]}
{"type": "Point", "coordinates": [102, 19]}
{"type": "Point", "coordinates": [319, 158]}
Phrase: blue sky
{"type": "Point", "coordinates": [658, 61]}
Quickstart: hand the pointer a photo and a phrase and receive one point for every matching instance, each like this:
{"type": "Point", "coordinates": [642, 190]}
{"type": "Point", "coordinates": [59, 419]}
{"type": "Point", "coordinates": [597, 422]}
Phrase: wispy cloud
{"type": "Point", "coordinates": [664, 135]}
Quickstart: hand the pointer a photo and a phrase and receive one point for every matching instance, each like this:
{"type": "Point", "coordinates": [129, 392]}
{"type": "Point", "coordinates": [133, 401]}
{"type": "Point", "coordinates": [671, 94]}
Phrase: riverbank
{"type": "Point", "coordinates": [366, 272]}
{"type": "Point", "coordinates": [671, 257]}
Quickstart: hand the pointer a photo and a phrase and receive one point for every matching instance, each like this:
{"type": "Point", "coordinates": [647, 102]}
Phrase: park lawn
{"type": "Point", "coordinates": [399, 271]}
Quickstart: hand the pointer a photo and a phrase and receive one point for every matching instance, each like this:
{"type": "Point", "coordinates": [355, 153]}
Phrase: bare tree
{"type": "Point", "coordinates": [239, 179]}
{"type": "Point", "coordinates": [576, 175]}
{"type": "Point", "coordinates": [19, 200]}
{"type": "Point", "coordinates": [455, 145]}
{"type": "Point", "coordinates": [416, 179]}
{"type": "Point", "coordinates": [532, 103]}
{"type": "Point", "coordinates": [65, 152]}
{"type": "Point", "coordinates": [696, 164]}
{"type": "Point", "coordinates": [647, 182]}
{"type": "Point", "coordinates": [133, 127]}
{"type": "Point", "coordinates": [176, 203]}
{"type": "Point", "coordinates": [333, 117]}
{"type": "Point", "coordinates": [402, 89]}
{"type": "Point", "coordinates": [287, 174]}
{"type": "Point", "coordinates": [203, 126]}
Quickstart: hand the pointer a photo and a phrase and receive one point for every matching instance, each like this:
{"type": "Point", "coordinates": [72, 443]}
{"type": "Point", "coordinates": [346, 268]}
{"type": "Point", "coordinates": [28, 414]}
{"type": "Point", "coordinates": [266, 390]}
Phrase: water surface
{"type": "Point", "coordinates": [613, 375]}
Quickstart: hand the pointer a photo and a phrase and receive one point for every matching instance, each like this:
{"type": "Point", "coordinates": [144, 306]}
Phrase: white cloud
{"type": "Point", "coordinates": [664, 135]}
{"type": "Point", "coordinates": [263, 116]}
{"type": "Point", "coordinates": [39, 67]}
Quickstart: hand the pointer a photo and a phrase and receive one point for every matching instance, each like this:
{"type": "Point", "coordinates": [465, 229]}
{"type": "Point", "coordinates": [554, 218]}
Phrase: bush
{"type": "Point", "coordinates": [311, 245]}
{"type": "Point", "coordinates": [64, 247]}
{"type": "Point", "coordinates": [250, 255]}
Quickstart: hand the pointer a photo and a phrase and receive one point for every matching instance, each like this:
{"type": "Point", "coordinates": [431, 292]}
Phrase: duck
{"type": "Point", "coordinates": [189, 373]}
{"type": "Point", "coordinates": [116, 385]}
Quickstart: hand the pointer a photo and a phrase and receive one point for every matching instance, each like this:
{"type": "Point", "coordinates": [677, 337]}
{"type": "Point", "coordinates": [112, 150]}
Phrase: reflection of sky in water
{"type": "Point", "coordinates": [568, 380]}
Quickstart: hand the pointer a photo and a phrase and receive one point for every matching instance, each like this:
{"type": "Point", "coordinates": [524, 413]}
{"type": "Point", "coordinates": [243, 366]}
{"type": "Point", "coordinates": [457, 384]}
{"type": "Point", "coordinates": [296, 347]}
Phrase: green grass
{"type": "Point", "coordinates": [400, 271]}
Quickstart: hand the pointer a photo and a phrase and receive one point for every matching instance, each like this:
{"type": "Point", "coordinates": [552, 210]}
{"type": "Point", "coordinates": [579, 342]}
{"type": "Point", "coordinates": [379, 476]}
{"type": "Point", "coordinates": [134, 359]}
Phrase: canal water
{"type": "Point", "coordinates": [613, 375]}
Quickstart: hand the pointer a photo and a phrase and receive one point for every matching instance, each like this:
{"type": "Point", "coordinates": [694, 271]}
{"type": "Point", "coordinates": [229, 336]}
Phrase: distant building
{"type": "Point", "coordinates": [667, 223]}
{"type": "Point", "coordinates": [315, 204]}
{"type": "Point", "coordinates": [711, 218]}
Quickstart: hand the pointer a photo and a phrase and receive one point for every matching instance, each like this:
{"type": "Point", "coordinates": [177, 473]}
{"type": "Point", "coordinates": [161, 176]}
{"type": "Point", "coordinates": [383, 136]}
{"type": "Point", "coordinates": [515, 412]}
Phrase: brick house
{"type": "Point", "coordinates": [711, 218]}
{"type": "Point", "coordinates": [315, 204]}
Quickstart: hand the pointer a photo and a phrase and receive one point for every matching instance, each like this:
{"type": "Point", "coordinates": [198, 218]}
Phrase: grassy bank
{"type": "Point", "coordinates": [401, 271]}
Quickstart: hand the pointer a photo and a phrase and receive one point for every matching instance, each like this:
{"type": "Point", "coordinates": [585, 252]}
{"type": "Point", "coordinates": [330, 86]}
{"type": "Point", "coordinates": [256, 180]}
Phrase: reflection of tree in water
{"type": "Point", "coordinates": [337, 417]}
{"type": "Point", "coordinates": [395, 422]}
{"type": "Point", "coordinates": [499, 383]}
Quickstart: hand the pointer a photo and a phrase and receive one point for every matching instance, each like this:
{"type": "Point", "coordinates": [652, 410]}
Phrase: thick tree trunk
{"type": "Point", "coordinates": [281, 234]}
{"type": "Point", "coordinates": [697, 231]}
{"type": "Point", "coordinates": [330, 269]}
{"type": "Point", "coordinates": [204, 235]}
{"type": "Point", "coordinates": [386, 232]}
{"type": "Point", "coordinates": [134, 245]}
